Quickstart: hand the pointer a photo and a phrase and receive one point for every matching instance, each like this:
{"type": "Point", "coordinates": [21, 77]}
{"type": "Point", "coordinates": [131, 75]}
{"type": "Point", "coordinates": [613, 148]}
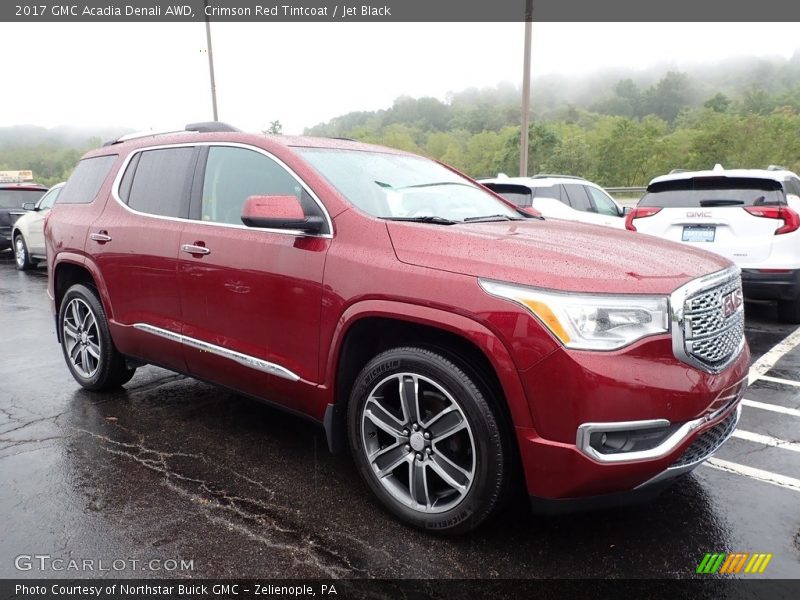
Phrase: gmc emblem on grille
{"type": "Point", "coordinates": [731, 302]}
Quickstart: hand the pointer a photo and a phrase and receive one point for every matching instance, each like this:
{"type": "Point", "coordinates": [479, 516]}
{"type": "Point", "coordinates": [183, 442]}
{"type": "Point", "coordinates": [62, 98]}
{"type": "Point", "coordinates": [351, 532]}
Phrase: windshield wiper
{"type": "Point", "coordinates": [423, 219]}
{"type": "Point", "coordinates": [721, 202]}
{"type": "Point", "coordinates": [492, 218]}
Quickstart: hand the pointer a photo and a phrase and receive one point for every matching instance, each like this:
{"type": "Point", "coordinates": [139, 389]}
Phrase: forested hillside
{"type": "Point", "coordinates": [50, 153]}
{"type": "Point", "coordinates": [618, 132]}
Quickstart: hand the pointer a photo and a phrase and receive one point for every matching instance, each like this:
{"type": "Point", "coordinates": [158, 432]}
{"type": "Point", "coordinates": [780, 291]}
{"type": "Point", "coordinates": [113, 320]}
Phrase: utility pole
{"type": "Point", "coordinates": [211, 64]}
{"type": "Point", "coordinates": [526, 91]}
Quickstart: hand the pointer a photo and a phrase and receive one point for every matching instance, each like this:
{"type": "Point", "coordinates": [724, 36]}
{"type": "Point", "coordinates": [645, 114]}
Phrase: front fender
{"type": "Point", "coordinates": [476, 333]}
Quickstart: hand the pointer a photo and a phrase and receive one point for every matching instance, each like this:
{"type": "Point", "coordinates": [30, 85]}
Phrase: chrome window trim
{"type": "Point", "coordinates": [677, 302]}
{"type": "Point", "coordinates": [585, 430]}
{"type": "Point", "coordinates": [243, 359]}
{"type": "Point", "coordinates": [295, 176]}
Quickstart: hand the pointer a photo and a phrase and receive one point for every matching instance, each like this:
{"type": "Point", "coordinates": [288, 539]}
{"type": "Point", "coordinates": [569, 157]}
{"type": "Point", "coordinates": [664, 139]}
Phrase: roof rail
{"type": "Point", "coordinates": [200, 127]}
{"type": "Point", "coordinates": [211, 127]}
{"type": "Point", "coordinates": [679, 171]}
{"type": "Point", "coordinates": [776, 168]}
{"type": "Point", "coordinates": [543, 175]}
{"type": "Point", "coordinates": [344, 139]}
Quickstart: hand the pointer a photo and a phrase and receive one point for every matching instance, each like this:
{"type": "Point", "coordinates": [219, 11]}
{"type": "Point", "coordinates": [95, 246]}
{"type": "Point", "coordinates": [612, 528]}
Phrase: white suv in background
{"type": "Point", "coordinates": [27, 232]}
{"type": "Point", "coordinates": [751, 216]}
{"type": "Point", "coordinates": [560, 197]}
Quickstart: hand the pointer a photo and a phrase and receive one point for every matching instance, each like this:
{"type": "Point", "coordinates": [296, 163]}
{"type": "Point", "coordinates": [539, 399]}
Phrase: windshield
{"type": "Point", "coordinates": [16, 198]}
{"type": "Point", "coordinates": [395, 186]}
{"type": "Point", "coordinates": [713, 192]}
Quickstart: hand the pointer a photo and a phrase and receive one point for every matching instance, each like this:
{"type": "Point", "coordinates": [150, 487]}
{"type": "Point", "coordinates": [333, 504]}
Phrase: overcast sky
{"type": "Point", "coordinates": [156, 75]}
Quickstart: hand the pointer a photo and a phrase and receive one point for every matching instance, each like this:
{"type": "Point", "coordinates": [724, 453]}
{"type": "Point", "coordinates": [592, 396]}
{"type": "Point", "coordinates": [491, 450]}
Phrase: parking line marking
{"type": "Point", "coordinates": [780, 380]}
{"type": "Point", "coordinates": [767, 440]}
{"type": "Point", "coordinates": [768, 360]}
{"type": "Point", "coordinates": [789, 483]}
{"type": "Point", "coordinates": [772, 407]}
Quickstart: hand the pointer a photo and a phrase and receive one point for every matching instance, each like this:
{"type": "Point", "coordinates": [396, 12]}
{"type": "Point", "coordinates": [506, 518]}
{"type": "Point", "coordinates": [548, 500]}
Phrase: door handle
{"type": "Point", "coordinates": [195, 250]}
{"type": "Point", "coordinates": [101, 237]}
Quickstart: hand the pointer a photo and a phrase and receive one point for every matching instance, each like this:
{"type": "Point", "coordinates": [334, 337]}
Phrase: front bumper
{"type": "Point", "coordinates": [771, 285]}
{"type": "Point", "coordinates": [643, 383]}
{"type": "Point", "coordinates": [703, 447]}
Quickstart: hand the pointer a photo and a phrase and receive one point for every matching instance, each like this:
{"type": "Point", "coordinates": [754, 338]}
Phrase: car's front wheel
{"type": "Point", "coordinates": [86, 342]}
{"type": "Point", "coordinates": [428, 440]}
{"type": "Point", "coordinates": [21, 256]}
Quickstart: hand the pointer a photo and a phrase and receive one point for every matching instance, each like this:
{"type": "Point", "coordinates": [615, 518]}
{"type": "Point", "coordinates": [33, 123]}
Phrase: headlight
{"type": "Point", "coordinates": [590, 322]}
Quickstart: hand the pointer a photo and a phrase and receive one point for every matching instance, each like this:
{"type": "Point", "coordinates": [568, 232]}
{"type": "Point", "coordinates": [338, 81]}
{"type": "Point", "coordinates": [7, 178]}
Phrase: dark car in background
{"type": "Point", "coordinates": [12, 197]}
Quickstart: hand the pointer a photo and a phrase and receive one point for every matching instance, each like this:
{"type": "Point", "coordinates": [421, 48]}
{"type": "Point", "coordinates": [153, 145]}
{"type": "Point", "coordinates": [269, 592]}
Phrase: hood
{"type": "Point", "coordinates": [556, 255]}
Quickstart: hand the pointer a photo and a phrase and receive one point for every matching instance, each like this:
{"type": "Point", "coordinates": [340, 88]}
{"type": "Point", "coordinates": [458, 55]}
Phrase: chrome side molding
{"type": "Point", "coordinates": [242, 359]}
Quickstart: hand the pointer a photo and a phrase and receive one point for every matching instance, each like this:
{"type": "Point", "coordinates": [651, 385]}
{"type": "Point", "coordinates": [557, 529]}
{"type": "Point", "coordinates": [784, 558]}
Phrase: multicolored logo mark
{"type": "Point", "coordinates": [739, 562]}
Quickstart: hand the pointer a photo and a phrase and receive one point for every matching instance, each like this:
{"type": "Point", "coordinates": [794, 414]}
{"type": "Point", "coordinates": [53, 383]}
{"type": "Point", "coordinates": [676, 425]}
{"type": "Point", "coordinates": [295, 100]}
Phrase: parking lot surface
{"type": "Point", "coordinates": [173, 468]}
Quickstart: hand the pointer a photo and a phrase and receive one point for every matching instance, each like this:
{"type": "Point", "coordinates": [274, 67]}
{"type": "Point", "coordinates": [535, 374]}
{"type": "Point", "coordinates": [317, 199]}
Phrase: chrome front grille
{"type": "Point", "coordinates": [708, 320]}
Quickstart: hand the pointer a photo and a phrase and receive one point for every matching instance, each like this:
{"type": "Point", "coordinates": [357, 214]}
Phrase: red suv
{"type": "Point", "coordinates": [420, 319]}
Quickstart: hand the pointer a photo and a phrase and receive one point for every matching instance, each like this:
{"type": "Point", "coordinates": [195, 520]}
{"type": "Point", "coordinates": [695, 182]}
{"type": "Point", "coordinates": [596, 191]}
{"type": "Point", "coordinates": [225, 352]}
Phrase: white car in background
{"type": "Point", "coordinates": [27, 233]}
{"type": "Point", "coordinates": [560, 197]}
{"type": "Point", "coordinates": [751, 216]}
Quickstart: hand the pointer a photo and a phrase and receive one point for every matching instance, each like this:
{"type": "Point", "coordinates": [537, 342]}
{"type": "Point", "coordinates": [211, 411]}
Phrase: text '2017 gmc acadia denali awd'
{"type": "Point", "coordinates": [421, 319]}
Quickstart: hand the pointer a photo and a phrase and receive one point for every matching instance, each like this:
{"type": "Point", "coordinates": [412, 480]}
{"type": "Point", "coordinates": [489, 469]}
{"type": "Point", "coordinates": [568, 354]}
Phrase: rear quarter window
{"type": "Point", "coordinates": [714, 191]}
{"type": "Point", "coordinates": [160, 182]}
{"type": "Point", "coordinates": [86, 180]}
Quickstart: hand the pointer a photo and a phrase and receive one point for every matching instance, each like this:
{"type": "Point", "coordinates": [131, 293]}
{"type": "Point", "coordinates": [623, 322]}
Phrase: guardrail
{"type": "Point", "coordinates": [626, 191]}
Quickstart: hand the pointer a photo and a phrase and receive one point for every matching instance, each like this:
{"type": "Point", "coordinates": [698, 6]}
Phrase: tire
{"type": "Point", "coordinates": [789, 311]}
{"type": "Point", "coordinates": [445, 470]}
{"type": "Point", "coordinates": [21, 257]}
{"type": "Point", "coordinates": [86, 342]}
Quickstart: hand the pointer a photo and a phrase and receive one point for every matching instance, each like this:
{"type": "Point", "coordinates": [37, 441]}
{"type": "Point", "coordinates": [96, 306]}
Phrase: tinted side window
{"type": "Point", "coordinates": [86, 180]}
{"type": "Point", "coordinates": [578, 197]}
{"type": "Point", "coordinates": [550, 191]}
{"type": "Point", "coordinates": [602, 203]}
{"type": "Point", "coordinates": [232, 175]}
{"type": "Point", "coordinates": [161, 182]}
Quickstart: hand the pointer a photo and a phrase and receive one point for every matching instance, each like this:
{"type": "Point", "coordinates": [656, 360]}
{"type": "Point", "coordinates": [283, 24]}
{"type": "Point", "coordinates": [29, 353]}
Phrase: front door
{"type": "Point", "coordinates": [250, 297]}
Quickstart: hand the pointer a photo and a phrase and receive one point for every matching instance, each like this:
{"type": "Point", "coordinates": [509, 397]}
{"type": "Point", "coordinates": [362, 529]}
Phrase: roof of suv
{"type": "Point", "coordinates": [779, 175]}
{"type": "Point", "coordinates": [188, 137]}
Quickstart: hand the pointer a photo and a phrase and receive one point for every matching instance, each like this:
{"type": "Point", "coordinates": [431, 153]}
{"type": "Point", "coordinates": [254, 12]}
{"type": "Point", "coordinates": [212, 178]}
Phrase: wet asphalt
{"type": "Point", "coordinates": [172, 468]}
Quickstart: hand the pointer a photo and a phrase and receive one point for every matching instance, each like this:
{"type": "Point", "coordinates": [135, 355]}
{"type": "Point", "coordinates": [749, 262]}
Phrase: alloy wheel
{"type": "Point", "coordinates": [81, 337]}
{"type": "Point", "coordinates": [418, 442]}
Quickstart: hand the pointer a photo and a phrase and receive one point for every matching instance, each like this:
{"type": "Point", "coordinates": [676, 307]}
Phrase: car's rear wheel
{"type": "Point", "coordinates": [428, 440]}
{"type": "Point", "coordinates": [789, 310]}
{"type": "Point", "coordinates": [21, 256]}
{"type": "Point", "coordinates": [86, 342]}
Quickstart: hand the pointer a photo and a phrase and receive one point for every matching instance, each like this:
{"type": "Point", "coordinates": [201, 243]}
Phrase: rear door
{"type": "Point", "coordinates": [135, 243]}
{"type": "Point", "coordinates": [718, 213]}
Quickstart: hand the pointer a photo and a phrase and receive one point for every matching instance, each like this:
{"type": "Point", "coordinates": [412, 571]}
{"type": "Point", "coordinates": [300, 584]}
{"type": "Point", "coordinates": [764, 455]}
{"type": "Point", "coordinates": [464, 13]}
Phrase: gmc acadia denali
{"type": "Point", "coordinates": [424, 322]}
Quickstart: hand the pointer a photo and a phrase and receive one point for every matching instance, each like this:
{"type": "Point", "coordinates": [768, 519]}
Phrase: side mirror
{"type": "Point", "coordinates": [626, 210]}
{"type": "Point", "coordinates": [279, 212]}
{"type": "Point", "coordinates": [29, 205]}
